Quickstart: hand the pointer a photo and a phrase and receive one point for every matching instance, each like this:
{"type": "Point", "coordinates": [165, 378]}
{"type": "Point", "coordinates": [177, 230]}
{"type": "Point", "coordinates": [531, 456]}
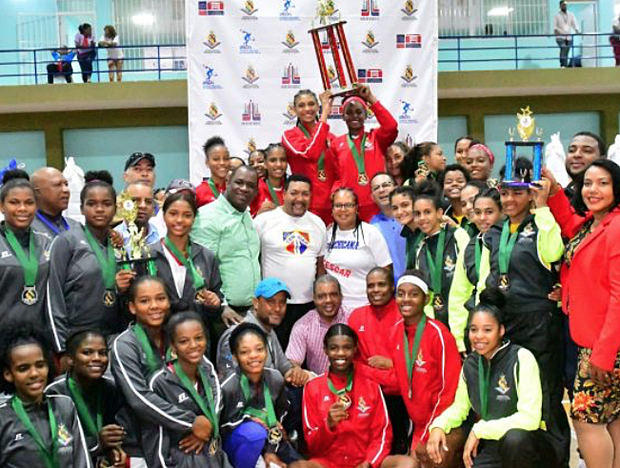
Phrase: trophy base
{"type": "Point", "coordinates": [518, 185]}
{"type": "Point", "coordinates": [345, 92]}
{"type": "Point", "coordinates": [139, 265]}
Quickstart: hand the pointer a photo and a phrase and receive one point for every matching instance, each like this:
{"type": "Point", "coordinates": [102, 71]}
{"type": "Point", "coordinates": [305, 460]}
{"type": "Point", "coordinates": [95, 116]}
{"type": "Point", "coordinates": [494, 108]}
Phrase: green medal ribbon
{"type": "Point", "coordinates": [268, 415]}
{"type": "Point", "coordinates": [435, 266]}
{"type": "Point", "coordinates": [272, 192]}
{"type": "Point", "coordinates": [507, 242]}
{"type": "Point", "coordinates": [346, 389]}
{"type": "Point", "coordinates": [411, 249]}
{"type": "Point", "coordinates": [107, 262]}
{"type": "Point", "coordinates": [410, 358]}
{"type": "Point", "coordinates": [477, 257]}
{"type": "Point", "coordinates": [49, 456]}
{"type": "Point", "coordinates": [206, 404]}
{"type": "Point", "coordinates": [187, 262]}
{"type": "Point", "coordinates": [213, 187]}
{"type": "Point", "coordinates": [359, 158]}
{"type": "Point", "coordinates": [484, 382]}
{"type": "Point", "coordinates": [30, 262]}
{"type": "Point", "coordinates": [321, 161]}
{"type": "Point", "coordinates": [93, 428]}
{"type": "Point", "coordinates": [151, 360]}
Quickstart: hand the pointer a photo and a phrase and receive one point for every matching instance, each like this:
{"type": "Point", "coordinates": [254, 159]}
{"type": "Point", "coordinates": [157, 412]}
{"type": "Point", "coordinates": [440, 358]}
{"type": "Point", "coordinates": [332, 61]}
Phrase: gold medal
{"type": "Point", "coordinates": [437, 303]}
{"type": "Point", "coordinates": [30, 295]}
{"type": "Point", "coordinates": [345, 400]}
{"type": "Point", "coordinates": [109, 297]}
{"type": "Point", "coordinates": [362, 179]}
{"type": "Point", "coordinates": [199, 297]}
{"type": "Point", "coordinates": [275, 435]}
{"type": "Point", "coordinates": [322, 176]}
{"type": "Point", "coordinates": [504, 282]}
{"type": "Point", "coordinates": [214, 446]}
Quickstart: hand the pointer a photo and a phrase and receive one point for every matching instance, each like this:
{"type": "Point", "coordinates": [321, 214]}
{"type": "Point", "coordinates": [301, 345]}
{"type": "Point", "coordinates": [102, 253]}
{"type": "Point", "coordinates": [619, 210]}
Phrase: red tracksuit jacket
{"type": "Point", "coordinates": [204, 195]}
{"type": "Point", "coordinates": [435, 374]}
{"type": "Point", "coordinates": [263, 194]}
{"type": "Point", "coordinates": [302, 155]}
{"type": "Point", "coordinates": [365, 436]}
{"type": "Point", "coordinates": [374, 326]}
{"type": "Point", "coordinates": [378, 141]}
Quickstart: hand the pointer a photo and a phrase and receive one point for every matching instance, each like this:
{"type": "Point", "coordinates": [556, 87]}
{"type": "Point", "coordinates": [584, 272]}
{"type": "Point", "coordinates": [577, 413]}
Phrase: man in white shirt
{"type": "Point", "coordinates": [564, 23]}
{"type": "Point", "coordinates": [292, 248]}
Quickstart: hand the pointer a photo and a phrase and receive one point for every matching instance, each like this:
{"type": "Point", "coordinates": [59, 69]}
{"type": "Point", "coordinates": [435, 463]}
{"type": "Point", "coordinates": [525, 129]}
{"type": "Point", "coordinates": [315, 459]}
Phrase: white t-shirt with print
{"type": "Point", "coordinates": [290, 247]}
{"type": "Point", "coordinates": [351, 256]}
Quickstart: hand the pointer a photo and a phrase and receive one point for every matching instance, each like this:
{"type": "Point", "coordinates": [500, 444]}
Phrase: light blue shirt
{"type": "Point", "coordinates": [390, 230]}
{"type": "Point", "coordinates": [151, 236]}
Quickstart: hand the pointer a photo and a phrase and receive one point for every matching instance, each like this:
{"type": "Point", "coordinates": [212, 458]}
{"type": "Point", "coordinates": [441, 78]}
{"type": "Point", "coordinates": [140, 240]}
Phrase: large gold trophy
{"type": "Point", "coordinates": [135, 254]}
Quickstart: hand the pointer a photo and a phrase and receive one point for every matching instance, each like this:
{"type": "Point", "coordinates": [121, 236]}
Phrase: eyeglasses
{"type": "Point", "coordinates": [384, 185]}
{"type": "Point", "coordinates": [344, 206]}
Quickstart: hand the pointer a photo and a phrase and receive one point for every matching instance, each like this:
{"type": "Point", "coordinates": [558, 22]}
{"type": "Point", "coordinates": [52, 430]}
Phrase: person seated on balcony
{"type": "Point", "coordinates": [62, 64]}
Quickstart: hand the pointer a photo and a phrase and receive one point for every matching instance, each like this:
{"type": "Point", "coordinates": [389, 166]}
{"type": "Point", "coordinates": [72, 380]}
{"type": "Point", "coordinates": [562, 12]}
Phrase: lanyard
{"type": "Point", "coordinates": [359, 158]}
{"type": "Point", "coordinates": [49, 456]}
{"type": "Point", "coordinates": [410, 358]}
{"type": "Point", "coordinates": [477, 257]}
{"type": "Point", "coordinates": [507, 242]}
{"type": "Point", "coordinates": [214, 190]}
{"type": "Point", "coordinates": [484, 379]}
{"type": "Point", "coordinates": [321, 161]}
{"type": "Point", "coordinates": [151, 360]}
{"type": "Point", "coordinates": [346, 389]}
{"type": "Point", "coordinates": [187, 262]}
{"type": "Point", "coordinates": [206, 404]}
{"type": "Point", "coordinates": [92, 427]}
{"type": "Point", "coordinates": [272, 192]}
{"type": "Point", "coordinates": [411, 249]}
{"type": "Point", "coordinates": [435, 265]}
{"type": "Point", "coordinates": [268, 416]}
{"type": "Point", "coordinates": [45, 220]}
{"type": "Point", "coordinates": [107, 262]}
{"type": "Point", "coordinates": [30, 262]}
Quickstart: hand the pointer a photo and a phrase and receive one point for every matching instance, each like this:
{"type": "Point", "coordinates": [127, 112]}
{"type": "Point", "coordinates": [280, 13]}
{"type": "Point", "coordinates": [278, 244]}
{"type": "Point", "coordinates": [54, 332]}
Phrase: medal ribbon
{"type": "Point", "coordinates": [187, 262]}
{"type": "Point", "coordinates": [206, 404]}
{"type": "Point", "coordinates": [343, 391]}
{"type": "Point", "coordinates": [410, 358]}
{"type": "Point", "coordinates": [151, 360]}
{"type": "Point", "coordinates": [30, 262]}
{"type": "Point", "coordinates": [507, 242]}
{"type": "Point", "coordinates": [92, 427]}
{"type": "Point", "coordinates": [107, 262]}
{"type": "Point", "coordinates": [484, 382]}
{"type": "Point", "coordinates": [213, 187]}
{"type": "Point", "coordinates": [50, 224]}
{"type": "Point", "coordinates": [477, 257]}
{"type": "Point", "coordinates": [272, 192]}
{"type": "Point", "coordinates": [49, 456]}
{"type": "Point", "coordinates": [268, 416]}
{"type": "Point", "coordinates": [412, 247]}
{"type": "Point", "coordinates": [359, 158]}
{"type": "Point", "coordinates": [435, 265]}
{"type": "Point", "coordinates": [321, 162]}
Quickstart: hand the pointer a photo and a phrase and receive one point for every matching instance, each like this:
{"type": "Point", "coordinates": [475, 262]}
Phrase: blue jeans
{"type": "Point", "coordinates": [564, 45]}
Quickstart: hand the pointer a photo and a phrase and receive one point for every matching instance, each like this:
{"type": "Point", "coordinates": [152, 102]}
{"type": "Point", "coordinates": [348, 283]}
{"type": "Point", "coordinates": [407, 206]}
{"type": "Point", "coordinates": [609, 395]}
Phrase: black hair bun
{"type": "Point", "coordinates": [14, 174]}
{"type": "Point", "coordinates": [493, 297]}
{"type": "Point", "coordinates": [103, 176]}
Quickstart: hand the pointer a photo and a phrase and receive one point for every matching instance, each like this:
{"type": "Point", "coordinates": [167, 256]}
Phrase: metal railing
{"type": "Point", "coordinates": [456, 53]}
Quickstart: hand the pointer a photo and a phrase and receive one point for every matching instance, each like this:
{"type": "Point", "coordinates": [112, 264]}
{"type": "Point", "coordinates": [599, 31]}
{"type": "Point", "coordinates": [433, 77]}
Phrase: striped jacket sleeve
{"type": "Point", "coordinates": [57, 317]}
{"type": "Point", "coordinates": [381, 438]}
{"type": "Point", "coordinates": [297, 145]}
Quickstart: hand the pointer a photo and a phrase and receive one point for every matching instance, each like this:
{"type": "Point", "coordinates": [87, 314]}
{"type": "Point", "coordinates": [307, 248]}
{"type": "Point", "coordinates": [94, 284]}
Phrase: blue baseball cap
{"type": "Point", "coordinates": [269, 287]}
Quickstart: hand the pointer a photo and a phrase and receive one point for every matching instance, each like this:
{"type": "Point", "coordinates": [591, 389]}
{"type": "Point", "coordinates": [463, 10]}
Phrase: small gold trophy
{"type": "Point", "coordinates": [135, 251]}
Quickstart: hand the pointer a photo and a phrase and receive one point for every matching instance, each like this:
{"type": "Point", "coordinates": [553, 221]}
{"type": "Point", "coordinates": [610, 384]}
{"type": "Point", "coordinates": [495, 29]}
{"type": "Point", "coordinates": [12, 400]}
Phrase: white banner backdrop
{"type": "Point", "coordinates": [248, 58]}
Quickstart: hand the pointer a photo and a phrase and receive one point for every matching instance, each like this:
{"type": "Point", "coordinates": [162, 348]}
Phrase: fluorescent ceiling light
{"type": "Point", "coordinates": [500, 11]}
{"type": "Point", "coordinates": [143, 19]}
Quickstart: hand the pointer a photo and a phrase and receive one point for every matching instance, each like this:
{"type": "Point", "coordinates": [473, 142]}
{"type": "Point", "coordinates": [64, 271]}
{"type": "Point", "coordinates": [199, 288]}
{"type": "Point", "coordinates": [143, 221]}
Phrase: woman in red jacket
{"type": "Point", "coordinates": [591, 296]}
{"type": "Point", "coordinates": [359, 154]}
{"type": "Point", "coordinates": [307, 149]}
{"type": "Point", "coordinates": [426, 366]}
{"type": "Point", "coordinates": [345, 419]}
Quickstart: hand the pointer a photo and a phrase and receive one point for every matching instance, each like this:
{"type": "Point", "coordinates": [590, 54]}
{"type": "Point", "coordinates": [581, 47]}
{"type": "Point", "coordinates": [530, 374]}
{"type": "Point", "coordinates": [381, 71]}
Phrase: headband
{"type": "Point", "coordinates": [354, 98]}
{"type": "Point", "coordinates": [415, 280]}
{"type": "Point", "coordinates": [486, 149]}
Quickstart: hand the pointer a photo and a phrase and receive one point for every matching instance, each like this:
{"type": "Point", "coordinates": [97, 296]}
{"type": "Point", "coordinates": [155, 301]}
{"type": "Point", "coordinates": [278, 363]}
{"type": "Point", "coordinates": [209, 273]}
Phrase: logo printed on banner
{"type": "Point", "coordinates": [290, 114]}
{"type": "Point", "coordinates": [408, 77]}
{"type": "Point", "coordinates": [211, 8]}
{"type": "Point", "coordinates": [370, 42]}
{"type": "Point", "coordinates": [408, 41]}
{"type": "Point", "coordinates": [250, 146]}
{"type": "Point", "coordinates": [246, 47]}
{"type": "Point", "coordinates": [296, 242]}
{"type": "Point", "coordinates": [370, 75]}
{"type": "Point", "coordinates": [291, 43]}
{"type": "Point", "coordinates": [250, 78]}
{"type": "Point", "coordinates": [336, 113]}
{"type": "Point", "coordinates": [251, 114]}
{"type": "Point", "coordinates": [212, 44]}
{"type": "Point", "coordinates": [406, 109]}
{"type": "Point", "coordinates": [249, 10]}
{"type": "Point", "coordinates": [290, 77]}
{"type": "Point", "coordinates": [208, 82]}
{"type": "Point", "coordinates": [286, 14]}
{"type": "Point", "coordinates": [409, 141]}
{"type": "Point", "coordinates": [213, 114]}
{"type": "Point", "coordinates": [409, 10]}
{"type": "Point", "coordinates": [370, 9]}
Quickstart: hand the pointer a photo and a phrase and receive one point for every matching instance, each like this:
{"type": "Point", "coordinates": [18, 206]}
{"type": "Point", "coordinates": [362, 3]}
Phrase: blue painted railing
{"type": "Point", "coordinates": [456, 53]}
